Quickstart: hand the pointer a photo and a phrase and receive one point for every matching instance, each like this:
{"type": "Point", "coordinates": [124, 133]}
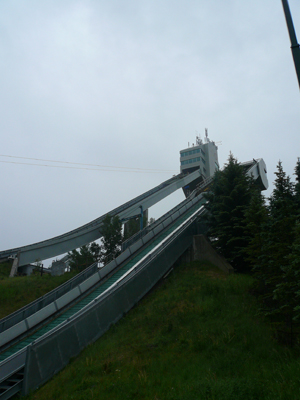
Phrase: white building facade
{"type": "Point", "coordinates": [202, 155]}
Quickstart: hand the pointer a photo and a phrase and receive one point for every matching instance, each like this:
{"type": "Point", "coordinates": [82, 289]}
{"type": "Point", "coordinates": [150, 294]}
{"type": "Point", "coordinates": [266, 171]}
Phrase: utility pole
{"type": "Point", "coordinates": [294, 43]}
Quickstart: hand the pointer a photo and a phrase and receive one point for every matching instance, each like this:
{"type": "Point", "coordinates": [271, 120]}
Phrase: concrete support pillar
{"type": "Point", "coordinates": [203, 251]}
{"type": "Point", "coordinates": [14, 268]}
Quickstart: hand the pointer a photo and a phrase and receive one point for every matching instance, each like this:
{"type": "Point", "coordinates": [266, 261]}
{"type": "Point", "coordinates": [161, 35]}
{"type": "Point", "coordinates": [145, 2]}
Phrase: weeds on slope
{"type": "Point", "coordinates": [21, 290]}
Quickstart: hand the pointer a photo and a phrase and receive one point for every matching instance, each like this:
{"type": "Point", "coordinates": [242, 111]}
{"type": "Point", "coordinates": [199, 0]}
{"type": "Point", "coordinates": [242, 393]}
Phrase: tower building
{"type": "Point", "coordinates": [202, 155]}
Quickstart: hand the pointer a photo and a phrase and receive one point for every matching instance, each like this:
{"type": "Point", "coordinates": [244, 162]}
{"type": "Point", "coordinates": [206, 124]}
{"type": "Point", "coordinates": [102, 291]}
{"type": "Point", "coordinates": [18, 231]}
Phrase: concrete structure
{"type": "Point", "coordinates": [202, 156]}
{"type": "Point", "coordinates": [203, 251]}
{"type": "Point", "coordinates": [258, 170]}
{"type": "Point", "coordinates": [26, 269]}
{"type": "Point", "coordinates": [58, 267]}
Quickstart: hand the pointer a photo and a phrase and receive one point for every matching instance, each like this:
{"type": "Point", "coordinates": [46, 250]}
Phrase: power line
{"type": "Point", "coordinates": [100, 168]}
{"type": "Point", "coordinates": [91, 165]}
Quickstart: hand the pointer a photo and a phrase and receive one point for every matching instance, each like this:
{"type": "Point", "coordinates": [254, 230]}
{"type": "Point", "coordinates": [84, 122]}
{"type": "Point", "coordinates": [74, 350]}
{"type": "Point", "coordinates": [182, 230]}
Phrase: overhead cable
{"type": "Point", "coordinates": [99, 167]}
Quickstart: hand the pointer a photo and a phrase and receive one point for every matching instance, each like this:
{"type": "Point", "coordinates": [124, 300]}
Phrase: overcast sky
{"type": "Point", "coordinates": [128, 84]}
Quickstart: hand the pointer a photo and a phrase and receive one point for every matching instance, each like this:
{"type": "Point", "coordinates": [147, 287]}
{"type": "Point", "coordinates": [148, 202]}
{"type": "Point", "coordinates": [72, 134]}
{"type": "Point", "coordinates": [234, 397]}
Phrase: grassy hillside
{"type": "Point", "coordinates": [5, 270]}
{"type": "Point", "coordinates": [19, 291]}
{"type": "Point", "coordinates": [196, 336]}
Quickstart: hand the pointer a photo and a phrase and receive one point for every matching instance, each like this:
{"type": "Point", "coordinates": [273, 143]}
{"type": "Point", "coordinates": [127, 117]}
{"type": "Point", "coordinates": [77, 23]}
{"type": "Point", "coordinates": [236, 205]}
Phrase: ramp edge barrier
{"type": "Point", "coordinates": [36, 305]}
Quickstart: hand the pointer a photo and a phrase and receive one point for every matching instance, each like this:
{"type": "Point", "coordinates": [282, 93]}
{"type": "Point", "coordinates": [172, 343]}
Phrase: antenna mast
{"type": "Point", "coordinates": [206, 136]}
{"type": "Point", "coordinates": [294, 43]}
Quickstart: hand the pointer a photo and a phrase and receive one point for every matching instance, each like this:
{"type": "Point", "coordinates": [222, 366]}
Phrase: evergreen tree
{"type": "Point", "coordinates": [292, 274]}
{"type": "Point", "coordinates": [297, 186]}
{"type": "Point", "coordinates": [228, 199]}
{"type": "Point", "coordinates": [287, 293]}
{"type": "Point", "coordinates": [282, 223]}
{"type": "Point", "coordinates": [256, 219]}
{"type": "Point", "coordinates": [274, 269]}
{"type": "Point", "coordinates": [287, 290]}
{"type": "Point", "coordinates": [282, 197]}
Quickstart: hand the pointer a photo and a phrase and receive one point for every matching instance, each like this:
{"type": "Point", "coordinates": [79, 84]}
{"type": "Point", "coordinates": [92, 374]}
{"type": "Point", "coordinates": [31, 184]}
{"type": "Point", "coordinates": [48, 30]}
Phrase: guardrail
{"type": "Point", "coordinates": [36, 305]}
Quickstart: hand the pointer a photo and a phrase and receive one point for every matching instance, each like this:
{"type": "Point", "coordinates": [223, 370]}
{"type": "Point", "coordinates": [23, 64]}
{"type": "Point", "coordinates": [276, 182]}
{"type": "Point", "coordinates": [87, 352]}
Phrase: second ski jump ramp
{"type": "Point", "coordinates": [92, 231]}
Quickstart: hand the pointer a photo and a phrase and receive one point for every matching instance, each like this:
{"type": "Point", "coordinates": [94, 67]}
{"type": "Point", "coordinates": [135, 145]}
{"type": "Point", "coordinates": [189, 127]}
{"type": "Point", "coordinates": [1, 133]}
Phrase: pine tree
{"type": "Point", "coordinates": [229, 196]}
{"type": "Point", "coordinates": [274, 266]}
{"type": "Point", "coordinates": [282, 214]}
{"type": "Point", "coordinates": [287, 293]}
{"type": "Point", "coordinates": [292, 275]}
{"type": "Point", "coordinates": [256, 218]}
{"type": "Point", "coordinates": [297, 186]}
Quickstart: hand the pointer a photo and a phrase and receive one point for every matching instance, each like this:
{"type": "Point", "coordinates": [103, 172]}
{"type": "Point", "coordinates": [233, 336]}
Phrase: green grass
{"type": "Point", "coordinates": [18, 291]}
{"type": "Point", "coordinates": [196, 336]}
{"type": "Point", "coordinates": [5, 270]}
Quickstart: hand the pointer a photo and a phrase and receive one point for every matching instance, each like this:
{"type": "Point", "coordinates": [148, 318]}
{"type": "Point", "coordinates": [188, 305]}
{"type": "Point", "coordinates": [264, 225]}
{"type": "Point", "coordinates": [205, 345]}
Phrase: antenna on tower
{"type": "Point", "coordinates": [206, 136]}
{"type": "Point", "coordinates": [198, 141]}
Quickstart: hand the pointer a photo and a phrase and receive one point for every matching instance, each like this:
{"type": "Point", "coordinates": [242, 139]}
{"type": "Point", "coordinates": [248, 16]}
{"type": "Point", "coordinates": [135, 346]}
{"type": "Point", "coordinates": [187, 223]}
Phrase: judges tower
{"type": "Point", "coordinates": [202, 155]}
